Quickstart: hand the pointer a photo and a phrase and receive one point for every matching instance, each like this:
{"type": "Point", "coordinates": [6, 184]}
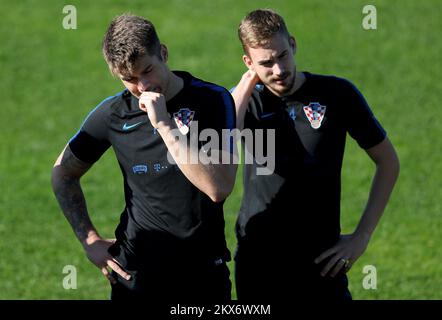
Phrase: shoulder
{"type": "Point", "coordinates": [333, 86]}
{"type": "Point", "coordinates": [329, 81]}
{"type": "Point", "coordinates": [110, 105]}
{"type": "Point", "coordinates": [203, 89]}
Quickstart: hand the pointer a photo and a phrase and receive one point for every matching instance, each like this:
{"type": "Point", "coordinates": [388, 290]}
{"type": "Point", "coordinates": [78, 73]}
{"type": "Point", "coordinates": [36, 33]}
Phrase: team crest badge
{"type": "Point", "coordinates": [183, 119]}
{"type": "Point", "coordinates": [315, 114]}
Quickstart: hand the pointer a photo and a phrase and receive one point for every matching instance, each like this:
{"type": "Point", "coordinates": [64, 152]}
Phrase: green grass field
{"type": "Point", "coordinates": [51, 78]}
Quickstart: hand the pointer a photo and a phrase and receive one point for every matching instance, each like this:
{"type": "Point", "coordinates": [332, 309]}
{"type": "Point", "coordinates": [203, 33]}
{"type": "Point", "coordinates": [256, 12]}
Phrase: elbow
{"type": "Point", "coordinates": [220, 194]}
{"type": "Point", "coordinates": [397, 168]}
{"type": "Point", "coordinates": [54, 178]}
{"type": "Point", "coordinates": [390, 168]}
{"type": "Point", "coordinates": [220, 189]}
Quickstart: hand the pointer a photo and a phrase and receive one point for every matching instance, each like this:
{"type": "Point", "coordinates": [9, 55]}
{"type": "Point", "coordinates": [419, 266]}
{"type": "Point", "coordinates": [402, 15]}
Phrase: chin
{"type": "Point", "coordinates": [280, 91]}
{"type": "Point", "coordinates": [283, 90]}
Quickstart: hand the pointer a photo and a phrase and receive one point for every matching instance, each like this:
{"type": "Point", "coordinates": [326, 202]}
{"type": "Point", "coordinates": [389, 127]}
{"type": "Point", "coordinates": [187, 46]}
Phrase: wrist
{"type": "Point", "coordinates": [363, 233]}
{"type": "Point", "coordinates": [164, 125]}
{"type": "Point", "coordinates": [91, 237]}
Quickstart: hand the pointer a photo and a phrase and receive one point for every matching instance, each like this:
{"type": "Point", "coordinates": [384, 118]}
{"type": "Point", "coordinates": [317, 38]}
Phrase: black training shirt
{"type": "Point", "coordinates": [165, 215]}
{"type": "Point", "coordinates": [298, 206]}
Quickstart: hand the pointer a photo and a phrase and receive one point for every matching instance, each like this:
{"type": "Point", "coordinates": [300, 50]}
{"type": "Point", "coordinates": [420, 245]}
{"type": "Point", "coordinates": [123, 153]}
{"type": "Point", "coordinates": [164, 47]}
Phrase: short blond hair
{"type": "Point", "coordinates": [259, 26]}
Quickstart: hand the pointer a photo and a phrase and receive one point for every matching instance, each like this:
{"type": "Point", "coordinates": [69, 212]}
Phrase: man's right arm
{"type": "Point", "coordinates": [66, 175]}
{"type": "Point", "coordinates": [241, 95]}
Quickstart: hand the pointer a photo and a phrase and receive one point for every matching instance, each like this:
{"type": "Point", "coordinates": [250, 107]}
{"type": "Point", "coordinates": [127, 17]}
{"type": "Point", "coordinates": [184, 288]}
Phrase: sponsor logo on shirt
{"type": "Point", "coordinates": [140, 169]}
{"type": "Point", "coordinates": [315, 114]}
{"type": "Point", "coordinates": [157, 167]}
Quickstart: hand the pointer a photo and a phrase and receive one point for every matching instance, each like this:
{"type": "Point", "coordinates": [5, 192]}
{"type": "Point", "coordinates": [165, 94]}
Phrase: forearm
{"type": "Point", "coordinates": [73, 204]}
{"type": "Point", "coordinates": [215, 180]}
{"type": "Point", "coordinates": [381, 188]}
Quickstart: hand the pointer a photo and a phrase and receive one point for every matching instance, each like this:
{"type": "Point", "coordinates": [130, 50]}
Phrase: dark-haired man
{"type": "Point", "coordinates": [170, 242]}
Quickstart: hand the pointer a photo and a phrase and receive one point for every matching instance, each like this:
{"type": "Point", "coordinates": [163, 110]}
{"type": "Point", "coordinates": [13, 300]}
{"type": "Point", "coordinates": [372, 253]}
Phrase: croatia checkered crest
{"type": "Point", "coordinates": [315, 114]}
{"type": "Point", "coordinates": [183, 119]}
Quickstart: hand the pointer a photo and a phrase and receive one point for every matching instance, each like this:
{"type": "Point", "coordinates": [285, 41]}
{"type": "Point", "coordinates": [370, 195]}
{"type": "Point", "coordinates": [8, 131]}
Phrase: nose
{"type": "Point", "coordinates": [277, 69]}
{"type": "Point", "coordinates": [142, 84]}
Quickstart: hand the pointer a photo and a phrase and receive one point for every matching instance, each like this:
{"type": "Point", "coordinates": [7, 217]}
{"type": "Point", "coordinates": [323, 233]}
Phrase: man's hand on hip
{"type": "Point", "coordinates": [97, 252]}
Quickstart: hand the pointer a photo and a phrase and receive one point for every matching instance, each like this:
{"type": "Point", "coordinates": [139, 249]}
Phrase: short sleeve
{"type": "Point", "coordinates": [91, 141]}
{"type": "Point", "coordinates": [359, 120]}
{"type": "Point", "coordinates": [222, 117]}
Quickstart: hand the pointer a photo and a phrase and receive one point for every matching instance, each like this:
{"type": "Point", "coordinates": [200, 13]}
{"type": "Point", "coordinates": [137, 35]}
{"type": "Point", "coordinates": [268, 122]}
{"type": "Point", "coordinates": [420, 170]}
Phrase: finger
{"type": "Point", "coordinates": [325, 254]}
{"type": "Point", "coordinates": [348, 267]}
{"type": "Point", "coordinates": [108, 275]}
{"type": "Point", "coordinates": [155, 89]}
{"type": "Point", "coordinates": [152, 93]}
{"type": "Point", "coordinates": [142, 106]}
{"type": "Point", "coordinates": [329, 265]}
{"type": "Point", "coordinates": [114, 266]}
{"type": "Point", "coordinates": [339, 266]}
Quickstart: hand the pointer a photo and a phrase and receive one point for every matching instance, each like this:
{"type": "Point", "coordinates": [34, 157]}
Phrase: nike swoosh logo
{"type": "Point", "coordinates": [128, 127]}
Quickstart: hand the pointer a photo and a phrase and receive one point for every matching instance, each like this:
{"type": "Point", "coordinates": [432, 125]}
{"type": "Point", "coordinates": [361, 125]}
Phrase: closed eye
{"type": "Point", "coordinates": [266, 63]}
{"type": "Point", "coordinates": [282, 55]}
{"type": "Point", "coordinates": [148, 69]}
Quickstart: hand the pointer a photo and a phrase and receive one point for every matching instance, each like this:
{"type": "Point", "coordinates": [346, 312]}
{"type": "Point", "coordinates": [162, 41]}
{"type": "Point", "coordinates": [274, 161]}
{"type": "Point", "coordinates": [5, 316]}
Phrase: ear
{"type": "Point", "coordinates": [248, 62]}
{"type": "Point", "coordinates": [164, 53]}
{"type": "Point", "coordinates": [292, 42]}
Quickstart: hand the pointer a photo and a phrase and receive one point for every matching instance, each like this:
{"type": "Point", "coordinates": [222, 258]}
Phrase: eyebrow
{"type": "Point", "coordinates": [148, 67]}
{"type": "Point", "coordinates": [130, 77]}
{"type": "Point", "coordinates": [262, 62]}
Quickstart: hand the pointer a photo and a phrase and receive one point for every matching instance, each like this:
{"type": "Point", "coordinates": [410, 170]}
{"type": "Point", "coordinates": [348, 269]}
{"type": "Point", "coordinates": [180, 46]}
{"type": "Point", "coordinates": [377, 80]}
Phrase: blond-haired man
{"type": "Point", "coordinates": [289, 238]}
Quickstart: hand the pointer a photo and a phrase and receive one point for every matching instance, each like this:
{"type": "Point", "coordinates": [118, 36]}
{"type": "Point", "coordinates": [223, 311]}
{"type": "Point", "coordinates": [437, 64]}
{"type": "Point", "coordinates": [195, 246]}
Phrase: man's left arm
{"type": "Point", "coordinates": [351, 247]}
{"type": "Point", "coordinates": [215, 180]}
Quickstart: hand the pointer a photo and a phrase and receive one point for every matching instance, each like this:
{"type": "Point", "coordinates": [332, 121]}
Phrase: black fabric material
{"type": "Point", "coordinates": [294, 213]}
{"type": "Point", "coordinates": [166, 219]}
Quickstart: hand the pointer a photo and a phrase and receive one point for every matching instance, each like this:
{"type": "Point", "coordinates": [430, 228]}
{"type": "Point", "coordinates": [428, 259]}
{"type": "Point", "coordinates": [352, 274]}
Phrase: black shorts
{"type": "Point", "coordinates": [280, 277]}
{"type": "Point", "coordinates": [180, 279]}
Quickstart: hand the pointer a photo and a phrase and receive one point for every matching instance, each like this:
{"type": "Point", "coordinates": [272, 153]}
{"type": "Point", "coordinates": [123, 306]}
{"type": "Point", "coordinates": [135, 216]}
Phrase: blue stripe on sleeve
{"type": "Point", "coordinates": [228, 103]}
{"type": "Point", "coordinates": [93, 110]}
{"type": "Point", "coordinates": [230, 107]}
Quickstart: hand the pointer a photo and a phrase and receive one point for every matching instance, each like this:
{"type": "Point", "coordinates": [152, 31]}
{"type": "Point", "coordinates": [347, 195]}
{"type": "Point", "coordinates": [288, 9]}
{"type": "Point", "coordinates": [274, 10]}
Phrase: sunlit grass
{"type": "Point", "coordinates": [51, 78]}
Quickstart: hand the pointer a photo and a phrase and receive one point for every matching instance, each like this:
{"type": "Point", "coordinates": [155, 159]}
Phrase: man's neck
{"type": "Point", "coordinates": [175, 84]}
{"type": "Point", "coordinates": [299, 81]}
